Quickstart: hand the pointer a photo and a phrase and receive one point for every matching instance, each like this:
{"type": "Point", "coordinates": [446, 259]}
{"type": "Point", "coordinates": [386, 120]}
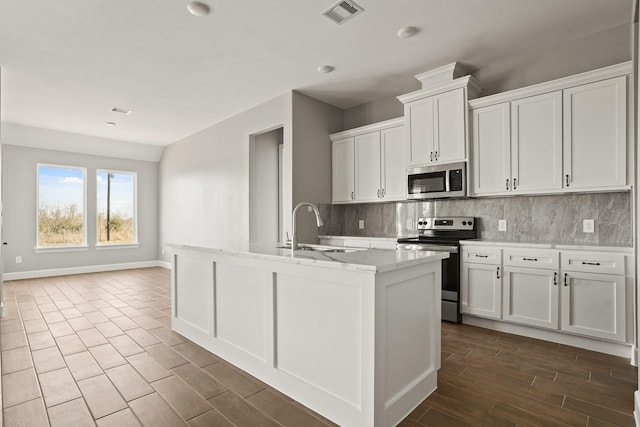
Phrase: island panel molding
{"type": "Point", "coordinates": [354, 336]}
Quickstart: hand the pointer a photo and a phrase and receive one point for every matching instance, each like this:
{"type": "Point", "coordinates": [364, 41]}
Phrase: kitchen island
{"type": "Point", "coordinates": [353, 335]}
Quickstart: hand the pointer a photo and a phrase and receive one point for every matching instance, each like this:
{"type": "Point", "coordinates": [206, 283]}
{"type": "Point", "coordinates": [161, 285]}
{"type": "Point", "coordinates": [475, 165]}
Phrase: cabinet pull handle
{"type": "Point", "coordinates": [384, 192]}
{"type": "Point", "coordinates": [565, 279]}
{"type": "Point", "coordinates": [432, 156]}
{"type": "Point", "coordinates": [352, 195]}
{"type": "Point", "coordinates": [566, 177]}
{"type": "Point", "coordinates": [498, 273]}
{"type": "Point", "coordinates": [436, 155]}
{"type": "Point", "coordinates": [530, 259]}
{"type": "Point", "coordinates": [590, 263]}
{"type": "Point", "coordinates": [507, 183]}
{"type": "Point", "coordinates": [555, 278]}
{"type": "Point", "coordinates": [378, 193]}
{"type": "Point", "coordinates": [482, 256]}
{"type": "Point", "coordinates": [514, 184]}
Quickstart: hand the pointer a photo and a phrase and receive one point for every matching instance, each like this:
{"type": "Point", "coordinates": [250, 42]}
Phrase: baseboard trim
{"type": "Point", "coordinates": [593, 344]}
{"type": "Point", "coordinates": [21, 275]}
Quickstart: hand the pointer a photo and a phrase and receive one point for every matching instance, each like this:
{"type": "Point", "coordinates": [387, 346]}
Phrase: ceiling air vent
{"type": "Point", "coordinates": [342, 11]}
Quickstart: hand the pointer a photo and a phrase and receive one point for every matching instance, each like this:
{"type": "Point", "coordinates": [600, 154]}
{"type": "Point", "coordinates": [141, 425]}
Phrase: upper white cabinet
{"type": "Point", "coordinates": [517, 146]}
{"type": "Point", "coordinates": [595, 134]}
{"type": "Point", "coordinates": [436, 116]}
{"type": "Point", "coordinates": [436, 128]}
{"type": "Point", "coordinates": [566, 135]}
{"type": "Point", "coordinates": [342, 170]}
{"type": "Point", "coordinates": [369, 163]}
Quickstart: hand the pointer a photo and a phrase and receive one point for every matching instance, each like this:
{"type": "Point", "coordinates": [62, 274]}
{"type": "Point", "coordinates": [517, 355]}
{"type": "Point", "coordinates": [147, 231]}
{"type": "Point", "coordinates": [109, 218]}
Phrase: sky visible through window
{"type": "Point", "coordinates": [60, 187]}
{"type": "Point", "coordinates": [115, 207]}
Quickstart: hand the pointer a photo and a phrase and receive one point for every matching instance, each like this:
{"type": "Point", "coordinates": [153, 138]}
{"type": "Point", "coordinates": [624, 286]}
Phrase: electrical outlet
{"type": "Point", "coordinates": [502, 225]}
{"type": "Point", "coordinates": [588, 226]}
{"type": "Point", "coordinates": [361, 224]}
{"type": "Point", "coordinates": [18, 260]}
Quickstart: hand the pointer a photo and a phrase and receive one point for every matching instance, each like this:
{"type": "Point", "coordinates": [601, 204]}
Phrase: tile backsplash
{"type": "Point", "coordinates": [530, 219]}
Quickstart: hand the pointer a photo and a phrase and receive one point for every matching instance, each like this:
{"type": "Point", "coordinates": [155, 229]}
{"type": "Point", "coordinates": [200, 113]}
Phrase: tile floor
{"type": "Point", "coordinates": [97, 349]}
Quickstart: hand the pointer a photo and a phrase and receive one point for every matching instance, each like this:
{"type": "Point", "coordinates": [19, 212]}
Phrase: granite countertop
{"type": "Point", "coordinates": [372, 260]}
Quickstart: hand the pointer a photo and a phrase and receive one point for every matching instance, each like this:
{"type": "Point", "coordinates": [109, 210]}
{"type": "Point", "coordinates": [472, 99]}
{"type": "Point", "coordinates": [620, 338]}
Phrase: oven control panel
{"type": "Point", "coordinates": [446, 223]}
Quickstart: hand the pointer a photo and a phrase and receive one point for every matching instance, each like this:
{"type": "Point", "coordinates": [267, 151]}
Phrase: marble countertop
{"type": "Point", "coordinates": [547, 245]}
{"type": "Point", "coordinates": [372, 260]}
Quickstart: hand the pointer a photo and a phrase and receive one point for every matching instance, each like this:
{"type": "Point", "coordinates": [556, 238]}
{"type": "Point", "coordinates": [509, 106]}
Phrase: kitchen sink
{"type": "Point", "coordinates": [322, 248]}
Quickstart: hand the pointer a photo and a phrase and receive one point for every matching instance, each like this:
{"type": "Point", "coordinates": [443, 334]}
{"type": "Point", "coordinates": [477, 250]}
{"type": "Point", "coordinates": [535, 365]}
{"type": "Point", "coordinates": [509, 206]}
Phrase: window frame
{"type": "Point", "coordinates": [62, 248]}
{"type": "Point", "coordinates": [135, 243]}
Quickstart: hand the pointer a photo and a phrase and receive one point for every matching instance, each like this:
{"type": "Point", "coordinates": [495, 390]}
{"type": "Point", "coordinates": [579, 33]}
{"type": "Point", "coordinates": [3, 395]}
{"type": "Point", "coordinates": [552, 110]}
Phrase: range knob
{"type": "Point", "coordinates": [464, 222]}
{"type": "Point", "coordinates": [470, 223]}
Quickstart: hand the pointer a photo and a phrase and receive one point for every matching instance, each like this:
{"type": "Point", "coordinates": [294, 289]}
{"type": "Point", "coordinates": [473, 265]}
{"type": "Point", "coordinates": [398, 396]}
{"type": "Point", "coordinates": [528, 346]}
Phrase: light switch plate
{"type": "Point", "coordinates": [18, 260]}
{"type": "Point", "coordinates": [502, 225]}
{"type": "Point", "coordinates": [361, 224]}
{"type": "Point", "coordinates": [588, 226]}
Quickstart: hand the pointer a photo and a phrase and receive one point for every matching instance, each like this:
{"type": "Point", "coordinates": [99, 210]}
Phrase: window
{"type": "Point", "coordinates": [116, 207]}
{"type": "Point", "coordinates": [61, 206]}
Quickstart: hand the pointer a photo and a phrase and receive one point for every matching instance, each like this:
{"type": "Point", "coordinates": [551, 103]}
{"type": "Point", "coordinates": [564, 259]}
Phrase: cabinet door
{"type": "Point", "coordinates": [368, 164]}
{"type": "Point", "coordinates": [481, 292]}
{"type": "Point", "coordinates": [536, 143]}
{"type": "Point", "coordinates": [420, 132]}
{"type": "Point", "coordinates": [530, 296]}
{"type": "Point", "coordinates": [449, 126]}
{"type": "Point", "coordinates": [595, 134]}
{"type": "Point", "coordinates": [342, 170]}
{"type": "Point", "coordinates": [394, 171]}
{"type": "Point", "coordinates": [594, 305]}
{"type": "Point", "coordinates": [491, 150]}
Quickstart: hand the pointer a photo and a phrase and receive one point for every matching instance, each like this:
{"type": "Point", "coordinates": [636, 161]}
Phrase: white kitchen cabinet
{"type": "Point", "coordinates": [491, 149]}
{"type": "Point", "coordinates": [343, 170]}
{"type": "Point", "coordinates": [595, 134]}
{"type": "Point", "coordinates": [436, 129]}
{"type": "Point", "coordinates": [373, 167]}
{"type": "Point", "coordinates": [394, 156]}
{"type": "Point", "coordinates": [368, 167]}
{"type": "Point", "coordinates": [517, 146]}
{"type": "Point", "coordinates": [594, 305]}
{"type": "Point", "coordinates": [481, 284]}
{"type": "Point", "coordinates": [530, 287]}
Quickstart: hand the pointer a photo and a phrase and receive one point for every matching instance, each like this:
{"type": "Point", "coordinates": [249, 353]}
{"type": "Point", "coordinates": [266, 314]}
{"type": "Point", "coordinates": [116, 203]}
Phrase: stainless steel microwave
{"type": "Point", "coordinates": [437, 181]}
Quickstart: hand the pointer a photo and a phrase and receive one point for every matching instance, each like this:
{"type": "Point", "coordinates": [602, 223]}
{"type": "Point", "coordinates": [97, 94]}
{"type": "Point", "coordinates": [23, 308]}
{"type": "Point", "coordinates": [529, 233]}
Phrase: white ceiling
{"type": "Point", "coordinates": [66, 63]}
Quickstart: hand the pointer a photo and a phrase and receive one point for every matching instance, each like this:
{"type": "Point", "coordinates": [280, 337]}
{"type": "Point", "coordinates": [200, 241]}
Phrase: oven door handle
{"type": "Point", "coordinates": [427, 247]}
{"type": "Point", "coordinates": [447, 180]}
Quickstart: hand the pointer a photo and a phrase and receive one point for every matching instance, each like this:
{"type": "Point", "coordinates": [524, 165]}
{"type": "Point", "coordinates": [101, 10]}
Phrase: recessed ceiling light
{"type": "Point", "coordinates": [111, 124]}
{"type": "Point", "coordinates": [121, 110]}
{"type": "Point", "coordinates": [198, 9]}
{"type": "Point", "coordinates": [325, 69]}
{"type": "Point", "coordinates": [407, 32]}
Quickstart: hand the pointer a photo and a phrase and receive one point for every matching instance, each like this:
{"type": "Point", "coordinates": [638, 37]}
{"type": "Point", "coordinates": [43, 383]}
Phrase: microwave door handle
{"type": "Point", "coordinates": [447, 187]}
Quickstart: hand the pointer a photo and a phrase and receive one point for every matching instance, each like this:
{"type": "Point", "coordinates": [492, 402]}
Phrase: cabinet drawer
{"type": "Point", "coordinates": [537, 258]}
{"type": "Point", "coordinates": [481, 255]}
{"type": "Point", "coordinates": [592, 262]}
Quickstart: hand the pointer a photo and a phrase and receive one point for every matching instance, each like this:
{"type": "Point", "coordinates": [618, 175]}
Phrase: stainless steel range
{"type": "Point", "coordinates": [444, 234]}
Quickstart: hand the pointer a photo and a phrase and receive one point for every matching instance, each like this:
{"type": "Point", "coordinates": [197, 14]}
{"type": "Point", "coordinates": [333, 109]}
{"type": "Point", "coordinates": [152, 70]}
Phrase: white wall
{"type": "Point", "coordinates": [264, 186]}
{"type": "Point", "coordinates": [204, 178]}
{"type": "Point", "coordinates": [20, 210]}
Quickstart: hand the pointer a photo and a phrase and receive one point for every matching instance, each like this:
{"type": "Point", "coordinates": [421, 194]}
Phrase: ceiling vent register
{"type": "Point", "coordinates": [342, 11]}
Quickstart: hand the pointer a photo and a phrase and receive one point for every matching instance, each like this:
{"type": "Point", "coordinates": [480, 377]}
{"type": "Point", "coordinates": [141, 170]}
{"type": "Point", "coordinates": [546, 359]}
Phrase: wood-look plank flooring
{"type": "Point", "coordinates": [97, 349]}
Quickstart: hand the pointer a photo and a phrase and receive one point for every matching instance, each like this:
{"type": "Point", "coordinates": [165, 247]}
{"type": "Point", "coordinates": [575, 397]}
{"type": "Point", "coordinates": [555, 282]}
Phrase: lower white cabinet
{"type": "Point", "coordinates": [530, 296]}
{"type": "Point", "coordinates": [582, 292]}
{"type": "Point", "coordinates": [594, 305]}
{"type": "Point", "coordinates": [481, 290]}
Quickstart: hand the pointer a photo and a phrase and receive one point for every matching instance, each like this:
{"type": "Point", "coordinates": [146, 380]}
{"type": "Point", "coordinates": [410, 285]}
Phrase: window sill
{"type": "Point", "coordinates": [108, 246]}
{"type": "Point", "coordinates": [50, 249]}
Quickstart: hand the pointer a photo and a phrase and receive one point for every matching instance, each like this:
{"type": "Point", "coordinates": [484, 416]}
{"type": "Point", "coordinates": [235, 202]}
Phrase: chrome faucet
{"type": "Point", "coordinates": [294, 233]}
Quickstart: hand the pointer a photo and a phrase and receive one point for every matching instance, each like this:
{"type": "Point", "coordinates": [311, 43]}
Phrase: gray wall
{"type": "Point", "coordinates": [599, 50]}
{"type": "Point", "coordinates": [530, 219]}
{"type": "Point", "coordinates": [19, 216]}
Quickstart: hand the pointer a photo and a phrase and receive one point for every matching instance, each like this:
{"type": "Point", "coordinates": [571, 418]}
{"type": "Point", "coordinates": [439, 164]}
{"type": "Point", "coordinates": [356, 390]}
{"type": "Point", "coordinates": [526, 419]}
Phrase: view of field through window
{"type": "Point", "coordinates": [60, 206]}
{"type": "Point", "coordinates": [115, 207]}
